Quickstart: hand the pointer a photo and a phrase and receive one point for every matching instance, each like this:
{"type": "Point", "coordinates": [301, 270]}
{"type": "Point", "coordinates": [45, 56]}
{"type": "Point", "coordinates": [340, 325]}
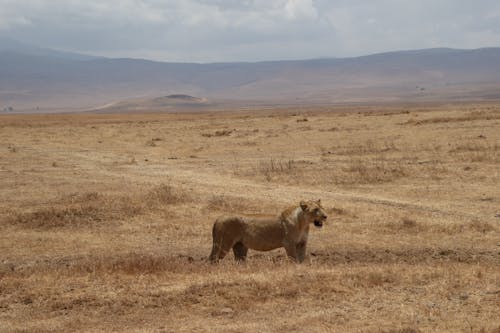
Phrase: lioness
{"type": "Point", "coordinates": [289, 230]}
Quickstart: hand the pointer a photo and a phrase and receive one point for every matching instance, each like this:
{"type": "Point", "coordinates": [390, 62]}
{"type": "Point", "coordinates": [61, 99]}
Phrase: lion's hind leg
{"type": "Point", "coordinates": [220, 250]}
{"type": "Point", "coordinates": [240, 251]}
{"type": "Point", "coordinates": [214, 255]}
{"type": "Point", "coordinates": [222, 242]}
{"type": "Point", "coordinates": [216, 243]}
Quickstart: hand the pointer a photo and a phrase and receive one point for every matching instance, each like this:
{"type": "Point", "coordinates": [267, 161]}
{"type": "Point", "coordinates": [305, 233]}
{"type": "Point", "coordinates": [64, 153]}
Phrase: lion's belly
{"type": "Point", "coordinates": [262, 235]}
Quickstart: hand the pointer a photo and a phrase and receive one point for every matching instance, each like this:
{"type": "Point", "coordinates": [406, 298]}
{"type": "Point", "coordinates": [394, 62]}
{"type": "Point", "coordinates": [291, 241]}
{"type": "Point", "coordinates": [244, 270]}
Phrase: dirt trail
{"type": "Point", "coordinates": [228, 185]}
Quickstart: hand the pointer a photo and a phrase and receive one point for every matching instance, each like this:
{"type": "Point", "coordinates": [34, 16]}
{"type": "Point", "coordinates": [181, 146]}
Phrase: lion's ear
{"type": "Point", "coordinates": [303, 205]}
{"type": "Point", "coordinates": [319, 201]}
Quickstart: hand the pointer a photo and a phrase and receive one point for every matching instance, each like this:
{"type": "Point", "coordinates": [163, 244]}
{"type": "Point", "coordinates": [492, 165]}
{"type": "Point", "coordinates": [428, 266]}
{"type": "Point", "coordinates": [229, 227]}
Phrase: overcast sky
{"type": "Point", "coordinates": [249, 30]}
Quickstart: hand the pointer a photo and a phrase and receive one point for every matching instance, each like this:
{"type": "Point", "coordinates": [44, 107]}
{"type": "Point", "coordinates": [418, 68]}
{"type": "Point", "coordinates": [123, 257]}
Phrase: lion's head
{"type": "Point", "coordinates": [314, 212]}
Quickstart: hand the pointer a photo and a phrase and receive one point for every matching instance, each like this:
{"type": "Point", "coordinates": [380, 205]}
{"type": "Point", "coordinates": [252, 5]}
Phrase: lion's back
{"type": "Point", "coordinates": [255, 233]}
{"type": "Point", "coordinates": [229, 226]}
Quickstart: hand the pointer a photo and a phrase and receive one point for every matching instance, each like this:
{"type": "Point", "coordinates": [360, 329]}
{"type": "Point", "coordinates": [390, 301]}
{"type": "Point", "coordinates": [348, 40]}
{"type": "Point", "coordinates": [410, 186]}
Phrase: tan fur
{"type": "Point", "coordinates": [289, 230]}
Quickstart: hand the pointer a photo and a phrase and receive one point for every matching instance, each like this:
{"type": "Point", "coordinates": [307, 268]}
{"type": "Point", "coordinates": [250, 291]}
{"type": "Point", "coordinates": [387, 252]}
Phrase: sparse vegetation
{"type": "Point", "coordinates": [224, 132]}
{"type": "Point", "coordinates": [476, 151]}
{"type": "Point", "coordinates": [52, 217]}
{"type": "Point", "coordinates": [100, 232]}
{"type": "Point", "coordinates": [374, 171]}
{"type": "Point", "coordinates": [273, 166]}
{"type": "Point", "coordinates": [472, 116]}
{"type": "Point", "coordinates": [228, 204]}
{"type": "Point", "coordinates": [167, 195]}
{"type": "Point", "coordinates": [405, 225]}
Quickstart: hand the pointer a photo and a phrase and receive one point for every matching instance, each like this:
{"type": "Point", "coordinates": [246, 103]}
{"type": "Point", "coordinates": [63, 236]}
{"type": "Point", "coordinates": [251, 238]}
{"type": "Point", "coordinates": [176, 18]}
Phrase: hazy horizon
{"type": "Point", "coordinates": [247, 31]}
{"type": "Point", "coordinates": [28, 49]}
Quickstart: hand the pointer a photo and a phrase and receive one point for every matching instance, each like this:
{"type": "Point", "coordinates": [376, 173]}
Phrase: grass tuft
{"type": "Point", "coordinates": [53, 217]}
{"type": "Point", "coordinates": [166, 194]}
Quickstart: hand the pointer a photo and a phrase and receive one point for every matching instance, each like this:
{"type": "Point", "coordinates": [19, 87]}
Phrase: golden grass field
{"type": "Point", "coordinates": [106, 220]}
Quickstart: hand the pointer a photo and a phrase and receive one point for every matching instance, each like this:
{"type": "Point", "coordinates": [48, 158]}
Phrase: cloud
{"type": "Point", "coordinates": [301, 9]}
{"type": "Point", "coordinates": [231, 30]}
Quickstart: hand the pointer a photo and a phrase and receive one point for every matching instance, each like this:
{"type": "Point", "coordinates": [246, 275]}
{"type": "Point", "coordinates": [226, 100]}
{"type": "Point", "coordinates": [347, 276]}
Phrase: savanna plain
{"type": "Point", "coordinates": [105, 220]}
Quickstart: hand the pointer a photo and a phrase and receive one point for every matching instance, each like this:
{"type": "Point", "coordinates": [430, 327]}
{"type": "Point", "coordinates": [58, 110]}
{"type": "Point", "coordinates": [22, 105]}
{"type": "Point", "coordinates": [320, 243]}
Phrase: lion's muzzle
{"type": "Point", "coordinates": [318, 222]}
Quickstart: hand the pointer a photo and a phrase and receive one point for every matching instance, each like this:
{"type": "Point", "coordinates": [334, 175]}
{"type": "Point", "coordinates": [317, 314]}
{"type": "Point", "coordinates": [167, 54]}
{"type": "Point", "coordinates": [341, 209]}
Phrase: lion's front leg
{"type": "Point", "coordinates": [301, 251]}
{"type": "Point", "coordinates": [291, 250]}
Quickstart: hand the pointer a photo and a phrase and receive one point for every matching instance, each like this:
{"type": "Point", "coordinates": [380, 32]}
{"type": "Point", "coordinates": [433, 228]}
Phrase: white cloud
{"type": "Point", "coordinates": [9, 23]}
{"type": "Point", "coordinates": [301, 9]}
{"type": "Point", "coordinates": [207, 30]}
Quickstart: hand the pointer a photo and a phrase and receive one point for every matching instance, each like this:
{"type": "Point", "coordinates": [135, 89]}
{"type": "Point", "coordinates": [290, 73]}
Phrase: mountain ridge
{"type": "Point", "coordinates": [49, 80]}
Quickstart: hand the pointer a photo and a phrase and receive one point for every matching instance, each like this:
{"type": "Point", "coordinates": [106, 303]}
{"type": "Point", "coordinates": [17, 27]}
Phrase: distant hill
{"type": "Point", "coordinates": [33, 77]}
{"type": "Point", "coordinates": [14, 46]}
{"type": "Point", "coordinates": [164, 103]}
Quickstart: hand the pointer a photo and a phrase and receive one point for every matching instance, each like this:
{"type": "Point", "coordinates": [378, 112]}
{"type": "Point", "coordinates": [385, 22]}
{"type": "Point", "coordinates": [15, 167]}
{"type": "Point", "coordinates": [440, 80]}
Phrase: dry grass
{"type": "Point", "coordinates": [468, 117]}
{"type": "Point", "coordinates": [274, 167]}
{"type": "Point", "coordinates": [106, 220]}
{"type": "Point", "coordinates": [227, 204]}
{"type": "Point", "coordinates": [166, 194]}
{"type": "Point", "coordinates": [224, 132]}
{"type": "Point", "coordinates": [81, 216]}
{"type": "Point", "coordinates": [474, 151]}
{"type": "Point", "coordinates": [373, 171]}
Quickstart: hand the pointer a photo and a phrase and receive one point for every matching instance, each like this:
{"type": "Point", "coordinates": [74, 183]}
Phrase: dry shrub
{"type": "Point", "coordinates": [82, 197]}
{"type": "Point", "coordinates": [337, 211]}
{"type": "Point", "coordinates": [218, 133]}
{"type": "Point", "coordinates": [368, 147]}
{"type": "Point", "coordinates": [401, 330]}
{"type": "Point", "coordinates": [130, 263]}
{"type": "Point", "coordinates": [406, 224]}
{"type": "Point", "coordinates": [352, 171]}
{"type": "Point", "coordinates": [275, 167]}
{"type": "Point", "coordinates": [378, 170]}
{"type": "Point", "coordinates": [481, 226]}
{"type": "Point", "coordinates": [474, 146]}
{"type": "Point", "coordinates": [239, 296]}
{"type": "Point", "coordinates": [133, 263]}
{"type": "Point", "coordinates": [331, 129]}
{"type": "Point", "coordinates": [434, 170]}
{"type": "Point", "coordinates": [88, 209]}
{"type": "Point", "coordinates": [456, 228]}
{"type": "Point", "coordinates": [378, 279]}
{"type": "Point", "coordinates": [227, 204]}
{"type": "Point", "coordinates": [272, 170]}
{"type": "Point", "coordinates": [151, 143]}
{"type": "Point", "coordinates": [473, 116]}
{"type": "Point", "coordinates": [91, 209]}
{"type": "Point", "coordinates": [124, 207]}
{"type": "Point", "coordinates": [166, 194]}
{"type": "Point", "coordinates": [476, 152]}
{"type": "Point", "coordinates": [52, 217]}
{"type": "Point", "coordinates": [405, 255]}
{"type": "Point", "coordinates": [371, 279]}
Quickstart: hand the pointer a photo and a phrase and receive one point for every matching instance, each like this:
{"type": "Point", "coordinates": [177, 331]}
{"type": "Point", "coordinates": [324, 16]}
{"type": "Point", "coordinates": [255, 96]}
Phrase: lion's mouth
{"type": "Point", "coordinates": [318, 223]}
